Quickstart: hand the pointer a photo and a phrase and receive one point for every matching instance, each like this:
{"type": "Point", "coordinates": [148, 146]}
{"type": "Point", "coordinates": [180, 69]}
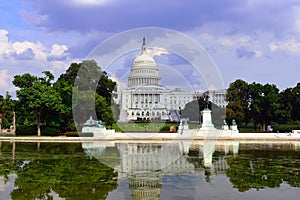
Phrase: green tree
{"type": "Point", "coordinates": [7, 106]}
{"type": "Point", "coordinates": [37, 94]}
{"type": "Point", "coordinates": [89, 84]}
{"type": "Point", "coordinates": [284, 113]}
{"type": "Point", "coordinates": [238, 102]}
{"type": "Point", "coordinates": [296, 103]}
{"type": "Point", "coordinates": [263, 103]}
{"type": "Point", "coordinates": [85, 83]}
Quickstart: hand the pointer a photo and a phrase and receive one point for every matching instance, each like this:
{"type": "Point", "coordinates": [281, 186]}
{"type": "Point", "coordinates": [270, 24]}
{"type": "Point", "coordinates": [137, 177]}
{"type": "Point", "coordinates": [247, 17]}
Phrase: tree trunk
{"type": "Point", "coordinates": [262, 125]}
{"type": "Point", "coordinates": [14, 151]}
{"type": "Point", "coordinates": [38, 146]}
{"type": "Point", "coordinates": [0, 123]}
{"type": "Point", "coordinates": [14, 123]}
{"type": "Point", "coordinates": [38, 121]}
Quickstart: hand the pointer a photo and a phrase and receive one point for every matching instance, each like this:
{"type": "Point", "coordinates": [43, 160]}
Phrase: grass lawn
{"type": "Point", "coordinates": [142, 126]}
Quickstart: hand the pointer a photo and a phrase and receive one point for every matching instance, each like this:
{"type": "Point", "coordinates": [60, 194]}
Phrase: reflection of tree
{"type": "Point", "coordinates": [198, 162]}
{"type": "Point", "coordinates": [62, 168]}
{"type": "Point", "coordinates": [262, 168]}
{"type": "Point", "coordinates": [6, 162]}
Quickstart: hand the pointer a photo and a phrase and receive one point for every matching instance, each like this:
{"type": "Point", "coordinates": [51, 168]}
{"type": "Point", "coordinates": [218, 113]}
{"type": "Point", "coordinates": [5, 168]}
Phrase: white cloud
{"type": "Point", "coordinates": [59, 65]}
{"type": "Point", "coordinates": [19, 57]}
{"type": "Point", "coordinates": [157, 51]}
{"type": "Point", "coordinates": [37, 48]}
{"type": "Point", "coordinates": [34, 19]}
{"type": "Point", "coordinates": [5, 82]}
{"type": "Point", "coordinates": [58, 50]}
{"type": "Point", "coordinates": [5, 47]}
{"type": "Point", "coordinates": [291, 46]}
{"type": "Point", "coordinates": [121, 85]}
{"type": "Point", "coordinates": [273, 46]}
{"type": "Point", "coordinates": [10, 50]}
{"type": "Point", "coordinates": [4, 79]}
{"type": "Point", "coordinates": [258, 53]}
{"type": "Point", "coordinates": [226, 41]}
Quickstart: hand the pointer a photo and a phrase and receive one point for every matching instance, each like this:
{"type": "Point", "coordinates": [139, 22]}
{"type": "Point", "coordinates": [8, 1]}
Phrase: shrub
{"type": "Point", "coordinates": [88, 134]}
{"type": "Point", "coordinates": [24, 130]}
{"type": "Point", "coordinates": [286, 128]}
{"type": "Point", "coordinates": [49, 131]}
{"type": "Point", "coordinates": [71, 134]}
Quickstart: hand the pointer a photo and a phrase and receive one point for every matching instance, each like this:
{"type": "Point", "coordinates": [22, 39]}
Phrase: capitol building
{"type": "Point", "coordinates": [145, 98]}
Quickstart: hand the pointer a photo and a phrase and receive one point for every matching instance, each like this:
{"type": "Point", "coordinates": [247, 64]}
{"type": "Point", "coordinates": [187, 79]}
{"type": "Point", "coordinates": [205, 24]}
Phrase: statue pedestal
{"type": "Point", "coordinates": [206, 120]}
{"type": "Point", "coordinates": [234, 130]}
{"type": "Point", "coordinates": [225, 127]}
{"type": "Point", "coordinates": [234, 127]}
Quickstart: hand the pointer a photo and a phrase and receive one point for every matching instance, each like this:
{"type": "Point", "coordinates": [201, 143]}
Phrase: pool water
{"type": "Point", "coordinates": [150, 170]}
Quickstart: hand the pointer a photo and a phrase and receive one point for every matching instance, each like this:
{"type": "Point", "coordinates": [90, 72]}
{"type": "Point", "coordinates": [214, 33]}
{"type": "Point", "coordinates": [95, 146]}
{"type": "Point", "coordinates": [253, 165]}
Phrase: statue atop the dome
{"type": "Point", "coordinates": [144, 48]}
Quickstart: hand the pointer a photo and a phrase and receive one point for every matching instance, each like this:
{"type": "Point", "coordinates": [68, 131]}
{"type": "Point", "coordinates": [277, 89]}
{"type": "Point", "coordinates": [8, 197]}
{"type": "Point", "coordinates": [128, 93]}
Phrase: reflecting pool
{"type": "Point", "coordinates": [150, 170]}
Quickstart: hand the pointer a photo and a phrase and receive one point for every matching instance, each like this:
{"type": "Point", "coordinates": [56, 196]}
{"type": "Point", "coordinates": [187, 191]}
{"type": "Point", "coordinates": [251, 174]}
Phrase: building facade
{"type": "Point", "coordinates": [145, 98]}
{"type": "Point", "coordinates": [217, 97]}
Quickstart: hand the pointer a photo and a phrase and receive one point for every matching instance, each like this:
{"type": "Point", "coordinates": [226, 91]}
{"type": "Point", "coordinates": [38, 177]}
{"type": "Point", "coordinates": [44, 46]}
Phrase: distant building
{"type": "Point", "coordinates": [145, 98]}
{"type": "Point", "coordinates": [217, 97]}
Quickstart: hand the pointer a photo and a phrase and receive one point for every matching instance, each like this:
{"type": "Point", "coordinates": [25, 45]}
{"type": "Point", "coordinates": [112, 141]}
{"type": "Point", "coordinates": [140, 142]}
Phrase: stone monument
{"type": "Point", "coordinates": [206, 120]}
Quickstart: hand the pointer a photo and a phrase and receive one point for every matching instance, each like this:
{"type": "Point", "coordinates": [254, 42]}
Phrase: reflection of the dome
{"type": "Point", "coordinates": [145, 164]}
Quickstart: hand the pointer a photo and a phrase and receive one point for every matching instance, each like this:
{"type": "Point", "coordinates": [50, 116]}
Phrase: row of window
{"type": "Point", "coordinates": [144, 71]}
{"type": "Point", "coordinates": [143, 113]}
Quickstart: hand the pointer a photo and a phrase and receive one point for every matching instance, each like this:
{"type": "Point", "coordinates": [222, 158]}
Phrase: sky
{"type": "Point", "coordinates": [253, 40]}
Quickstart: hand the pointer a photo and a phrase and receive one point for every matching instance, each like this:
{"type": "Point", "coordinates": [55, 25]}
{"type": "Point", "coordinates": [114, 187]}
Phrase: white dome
{"type": "Point", "coordinates": [144, 60]}
{"type": "Point", "coordinates": [144, 70]}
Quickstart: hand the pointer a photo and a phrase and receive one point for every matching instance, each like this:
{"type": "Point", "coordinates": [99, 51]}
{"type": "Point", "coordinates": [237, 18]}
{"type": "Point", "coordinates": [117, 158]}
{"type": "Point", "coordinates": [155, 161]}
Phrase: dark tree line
{"type": "Point", "coordinates": [262, 104]}
{"type": "Point", "coordinates": [47, 104]}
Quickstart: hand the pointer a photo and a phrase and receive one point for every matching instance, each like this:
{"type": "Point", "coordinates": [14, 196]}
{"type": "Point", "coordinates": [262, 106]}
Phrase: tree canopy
{"type": "Point", "coordinates": [53, 103]}
{"type": "Point", "coordinates": [262, 104]}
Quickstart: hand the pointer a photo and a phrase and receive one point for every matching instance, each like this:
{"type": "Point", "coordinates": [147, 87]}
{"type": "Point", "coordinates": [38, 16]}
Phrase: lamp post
{"type": "Point", "coordinates": [199, 109]}
{"type": "Point", "coordinates": [0, 122]}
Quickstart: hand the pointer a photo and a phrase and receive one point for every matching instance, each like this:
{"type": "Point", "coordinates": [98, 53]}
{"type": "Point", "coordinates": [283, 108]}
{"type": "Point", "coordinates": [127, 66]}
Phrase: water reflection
{"type": "Point", "coordinates": [142, 170]}
{"type": "Point", "coordinates": [52, 171]}
{"type": "Point", "coordinates": [145, 164]}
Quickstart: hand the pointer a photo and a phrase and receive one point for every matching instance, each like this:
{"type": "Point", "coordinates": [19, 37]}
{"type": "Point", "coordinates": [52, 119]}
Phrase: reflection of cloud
{"type": "Point", "coordinates": [7, 187]}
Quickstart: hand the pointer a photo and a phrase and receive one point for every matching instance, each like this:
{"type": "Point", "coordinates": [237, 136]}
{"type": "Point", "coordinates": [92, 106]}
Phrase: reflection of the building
{"type": "Point", "coordinates": [145, 164]}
